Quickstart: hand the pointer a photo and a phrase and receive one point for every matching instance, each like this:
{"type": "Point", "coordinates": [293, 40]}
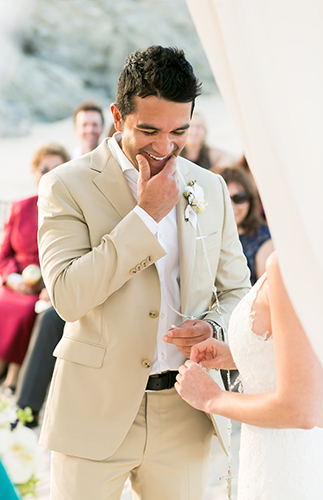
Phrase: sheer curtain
{"type": "Point", "coordinates": [267, 58]}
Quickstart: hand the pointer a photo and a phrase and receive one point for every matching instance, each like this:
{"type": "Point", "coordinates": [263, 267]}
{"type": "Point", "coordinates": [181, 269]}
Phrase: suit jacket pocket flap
{"type": "Point", "coordinates": [80, 352]}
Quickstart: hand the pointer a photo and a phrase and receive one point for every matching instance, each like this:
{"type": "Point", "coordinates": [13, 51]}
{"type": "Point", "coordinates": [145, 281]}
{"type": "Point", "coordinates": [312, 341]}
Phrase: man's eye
{"type": "Point", "coordinates": [179, 132]}
{"type": "Point", "coordinates": [149, 133]}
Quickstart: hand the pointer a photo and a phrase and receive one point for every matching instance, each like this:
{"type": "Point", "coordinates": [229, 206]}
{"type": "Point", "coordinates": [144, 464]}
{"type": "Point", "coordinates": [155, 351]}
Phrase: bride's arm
{"type": "Point", "coordinates": [298, 398]}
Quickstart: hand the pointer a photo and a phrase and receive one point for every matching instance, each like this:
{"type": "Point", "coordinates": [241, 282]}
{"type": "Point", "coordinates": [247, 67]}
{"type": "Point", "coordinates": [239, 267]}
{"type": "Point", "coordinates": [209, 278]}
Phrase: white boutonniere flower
{"type": "Point", "coordinates": [196, 202]}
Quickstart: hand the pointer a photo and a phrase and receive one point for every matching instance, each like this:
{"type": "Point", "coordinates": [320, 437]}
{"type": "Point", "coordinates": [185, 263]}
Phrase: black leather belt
{"type": "Point", "coordinates": [161, 381]}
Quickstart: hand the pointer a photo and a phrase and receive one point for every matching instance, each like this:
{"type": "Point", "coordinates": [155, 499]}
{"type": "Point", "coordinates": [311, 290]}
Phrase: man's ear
{"type": "Point", "coordinates": [116, 117]}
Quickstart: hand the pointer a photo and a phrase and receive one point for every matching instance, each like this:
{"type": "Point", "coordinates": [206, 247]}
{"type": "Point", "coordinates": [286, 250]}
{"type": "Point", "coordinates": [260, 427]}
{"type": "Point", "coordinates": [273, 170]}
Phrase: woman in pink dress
{"type": "Point", "coordinates": [18, 250]}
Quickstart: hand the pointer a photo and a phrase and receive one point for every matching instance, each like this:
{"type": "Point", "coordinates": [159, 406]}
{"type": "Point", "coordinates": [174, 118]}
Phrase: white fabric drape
{"type": "Point", "coordinates": [267, 59]}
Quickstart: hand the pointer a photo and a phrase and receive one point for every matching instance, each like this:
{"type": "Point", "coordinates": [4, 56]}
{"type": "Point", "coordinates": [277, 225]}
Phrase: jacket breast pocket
{"type": "Point", "coordinates": [76, 351]}
{"type": "Point", "coordinates": [207, 241]}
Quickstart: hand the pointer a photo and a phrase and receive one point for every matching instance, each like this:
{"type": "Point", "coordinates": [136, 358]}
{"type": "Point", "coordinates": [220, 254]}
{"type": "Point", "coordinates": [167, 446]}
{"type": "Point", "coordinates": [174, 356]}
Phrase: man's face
{"type": "Point", "coordinates": [89, 127]}
{"type": "Point", "coordinates": [157, 130]}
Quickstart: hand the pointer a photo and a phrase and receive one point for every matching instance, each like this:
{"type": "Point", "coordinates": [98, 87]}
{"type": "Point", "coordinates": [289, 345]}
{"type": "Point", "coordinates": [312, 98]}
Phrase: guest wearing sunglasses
{"type": "Point", "coordinates": [252, 228]}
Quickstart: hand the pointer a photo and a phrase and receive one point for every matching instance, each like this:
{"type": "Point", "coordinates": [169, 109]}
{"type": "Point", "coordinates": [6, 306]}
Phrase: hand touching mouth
{"type": "Point", "coordinates": [157, 162]}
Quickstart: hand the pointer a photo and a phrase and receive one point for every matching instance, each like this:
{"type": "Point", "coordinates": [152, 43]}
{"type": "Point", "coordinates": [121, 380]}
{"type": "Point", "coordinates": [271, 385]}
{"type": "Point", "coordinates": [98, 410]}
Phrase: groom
{"type": "Point", "coordinates": [124, 257]}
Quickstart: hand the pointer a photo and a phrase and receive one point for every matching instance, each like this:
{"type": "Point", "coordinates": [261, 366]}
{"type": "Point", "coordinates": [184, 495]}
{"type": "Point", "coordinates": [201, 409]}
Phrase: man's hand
{"type": "Point", "coordinates": [213, 354]}
{"type": "Point", "coordinates": [157, 195]}
{"type": "Point", "coordinates": [196, 387]}
{"type": "Point", "coordinates": [189, 333]}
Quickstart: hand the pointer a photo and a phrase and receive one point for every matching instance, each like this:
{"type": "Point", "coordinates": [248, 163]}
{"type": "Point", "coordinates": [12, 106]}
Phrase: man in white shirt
{"type": "Point", "coordinates": [140, 275]}
{"type": "Point", "coordinates": [88, 126]}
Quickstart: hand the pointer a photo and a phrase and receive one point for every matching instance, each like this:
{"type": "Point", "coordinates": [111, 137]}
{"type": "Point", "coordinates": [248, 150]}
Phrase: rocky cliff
{"type": "Point", "coordinates": [56, 53]}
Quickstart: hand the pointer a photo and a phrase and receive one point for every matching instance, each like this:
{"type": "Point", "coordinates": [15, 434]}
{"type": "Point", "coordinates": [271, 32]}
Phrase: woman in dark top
{"type": "Point", "coordinates": [252, 228]}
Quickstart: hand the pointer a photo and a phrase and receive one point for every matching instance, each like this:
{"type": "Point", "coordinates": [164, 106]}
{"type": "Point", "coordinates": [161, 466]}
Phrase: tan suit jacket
{"type": "Point", "coordinates": [98, 262]}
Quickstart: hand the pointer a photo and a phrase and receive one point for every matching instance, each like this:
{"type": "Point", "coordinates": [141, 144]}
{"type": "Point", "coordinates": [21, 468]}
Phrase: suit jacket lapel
{"type": "Point", "coordinates": [113, 185]}
{"type": "Point", "coordinates": [111, 181]}
{"type": "Point", "coordinates": [186, 241]}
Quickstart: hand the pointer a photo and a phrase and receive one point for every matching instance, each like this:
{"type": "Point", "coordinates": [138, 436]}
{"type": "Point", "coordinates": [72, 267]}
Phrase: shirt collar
{"type": "Point", "coordinates": [123, 162]}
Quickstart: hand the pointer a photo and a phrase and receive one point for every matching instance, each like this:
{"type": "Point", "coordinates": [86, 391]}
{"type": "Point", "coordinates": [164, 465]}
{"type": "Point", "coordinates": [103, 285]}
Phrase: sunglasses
{"type": "Point", "coordinates": [240, 198]}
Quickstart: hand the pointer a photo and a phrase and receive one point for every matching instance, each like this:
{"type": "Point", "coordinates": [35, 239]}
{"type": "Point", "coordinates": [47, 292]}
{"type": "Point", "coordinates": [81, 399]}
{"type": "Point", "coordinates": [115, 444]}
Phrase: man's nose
{"type": "Point", "coordinates": [164, 145]}
{"type": "Point", "coordinates": [90, 128]}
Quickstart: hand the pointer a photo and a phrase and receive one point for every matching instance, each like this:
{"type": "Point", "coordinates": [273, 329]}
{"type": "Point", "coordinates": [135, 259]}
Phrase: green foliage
{"type": "Point", "coordinates": [25, 415]}
{"type": "Point", "coordinates": [28, 488]}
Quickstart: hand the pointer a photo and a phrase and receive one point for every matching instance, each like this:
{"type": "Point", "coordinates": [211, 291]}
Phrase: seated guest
{"type": "Point", "coordinates": [19, 250]}
{"type": "Point", "coordinates": [252, 228]}
{"type": "Point", "coordinates": [197, 150]}
{"type": "Point", "coordinates": [39, 363]}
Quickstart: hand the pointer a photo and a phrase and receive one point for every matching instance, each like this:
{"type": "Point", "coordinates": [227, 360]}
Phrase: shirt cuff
{"type": "Point", "coordinates": [147, 220]}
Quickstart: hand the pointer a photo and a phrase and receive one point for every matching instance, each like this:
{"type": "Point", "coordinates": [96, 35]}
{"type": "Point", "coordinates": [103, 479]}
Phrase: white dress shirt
{"type": "Point", "coordinates": [167, 356]}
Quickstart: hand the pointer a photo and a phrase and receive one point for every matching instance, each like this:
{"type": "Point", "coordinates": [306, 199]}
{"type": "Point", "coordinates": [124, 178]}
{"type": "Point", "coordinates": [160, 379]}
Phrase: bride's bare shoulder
{"type": "Point", "coordinates": [272, 266]}
{"type": "Point", "coordinates": [274, 277]}
{"type": "Point", "coordinates": [272, 262]}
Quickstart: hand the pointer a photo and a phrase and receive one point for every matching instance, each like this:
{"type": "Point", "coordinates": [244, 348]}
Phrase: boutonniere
{"type": "Point", "coordinates": [196, 202]}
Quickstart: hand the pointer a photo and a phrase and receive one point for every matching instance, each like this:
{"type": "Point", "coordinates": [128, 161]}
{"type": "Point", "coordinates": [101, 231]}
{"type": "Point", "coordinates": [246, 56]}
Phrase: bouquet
{"type": "Point", "coordinates": [19, 453]}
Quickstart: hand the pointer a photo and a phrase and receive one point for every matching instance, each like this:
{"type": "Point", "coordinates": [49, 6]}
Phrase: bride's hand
{"type": "Point", "coordinates": [196, 387]}
{"type": "Point", "coordinates": [213, 354]}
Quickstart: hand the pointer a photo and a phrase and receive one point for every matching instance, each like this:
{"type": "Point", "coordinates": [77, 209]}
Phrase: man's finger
{"type": "Point", "coordinates": [170, 167]}
{"type": "Point", "coordinates": [144, 168]}
{"type": "Point", "coordinates": [184, 332]}
{"type": "Point", "coordinates": [183, 341]}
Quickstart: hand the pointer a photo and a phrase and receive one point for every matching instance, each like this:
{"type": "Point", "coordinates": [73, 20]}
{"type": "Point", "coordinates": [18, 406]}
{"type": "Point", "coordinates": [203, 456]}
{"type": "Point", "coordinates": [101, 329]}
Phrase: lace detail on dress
{"type": "Point", "coordinates": [257, 377]}
{"type": "Point", "coordinates": [275, 464]}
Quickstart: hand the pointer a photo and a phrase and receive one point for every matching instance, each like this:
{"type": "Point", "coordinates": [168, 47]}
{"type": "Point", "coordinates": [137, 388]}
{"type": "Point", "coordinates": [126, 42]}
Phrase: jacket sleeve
{"type": "Point", "coordinates": [233, 275]}
{"type": "Point", "coordinates": [80, 277]}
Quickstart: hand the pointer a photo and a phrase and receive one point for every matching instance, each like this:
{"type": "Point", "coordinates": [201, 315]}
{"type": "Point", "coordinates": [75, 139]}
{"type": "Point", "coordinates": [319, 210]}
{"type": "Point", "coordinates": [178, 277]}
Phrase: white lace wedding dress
{"type": "Point", "coordinates": [274, 464]}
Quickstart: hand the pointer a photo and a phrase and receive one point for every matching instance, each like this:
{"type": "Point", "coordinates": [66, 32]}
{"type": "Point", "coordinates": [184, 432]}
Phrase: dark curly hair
{"type": "Point", "coordinates": [156, 71]}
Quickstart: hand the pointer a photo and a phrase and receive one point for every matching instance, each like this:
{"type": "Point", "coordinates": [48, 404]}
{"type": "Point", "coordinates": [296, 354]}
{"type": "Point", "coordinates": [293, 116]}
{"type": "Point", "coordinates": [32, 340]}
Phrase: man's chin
{"type": "Point", "coordinates": [156, 166]}
{"type": "Point", "coordinates": [155, 170]}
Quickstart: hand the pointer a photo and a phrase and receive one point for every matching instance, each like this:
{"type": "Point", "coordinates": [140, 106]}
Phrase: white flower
{"type": "Point", "coordinates": [195, 196]}
{"type": "Point", "coordinates": [196, 202]}
{"type": "Point", "coordinates": [18, 452]}
{"type": "Point", "coordinates": [7, 414]}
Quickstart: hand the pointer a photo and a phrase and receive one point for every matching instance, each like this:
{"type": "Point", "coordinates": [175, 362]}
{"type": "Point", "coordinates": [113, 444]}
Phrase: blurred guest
{"type": "Point", "coordinates": [242, 163]}
{"type": "Point", "coordinates": [38, 366]}
{"type": "Point", "coordinates": [197, 151]}
{"type": "Point", "coordinates": [19, 250]}
{"type": "Point", "coordinates": [88, 125]}
{"type": "Point", "coordinates": [252, 228]}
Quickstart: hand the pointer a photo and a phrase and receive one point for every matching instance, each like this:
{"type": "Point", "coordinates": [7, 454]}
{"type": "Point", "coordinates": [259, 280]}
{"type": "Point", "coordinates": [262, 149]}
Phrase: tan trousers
{"type": "Point", "coordinates": [165, 454]}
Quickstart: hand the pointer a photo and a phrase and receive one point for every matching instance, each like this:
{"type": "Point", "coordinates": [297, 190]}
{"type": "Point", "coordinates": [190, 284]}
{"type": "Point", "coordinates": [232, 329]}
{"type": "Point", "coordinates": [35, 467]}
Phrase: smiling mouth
{"type": "Point", "coordinates": [157, 158]}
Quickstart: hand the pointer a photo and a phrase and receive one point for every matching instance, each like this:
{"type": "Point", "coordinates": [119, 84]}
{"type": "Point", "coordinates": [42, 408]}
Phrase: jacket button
{"type": "Point", "coordinates": [149, 258]}
{"type": "Point", "coordinates": [154, 314]}
{"type": "Point", "coordinates": [138, 268]}
{"type": "Point", "coordinates": [133, 271]}
{"type": "Point", "coordinates": [146, 363]}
